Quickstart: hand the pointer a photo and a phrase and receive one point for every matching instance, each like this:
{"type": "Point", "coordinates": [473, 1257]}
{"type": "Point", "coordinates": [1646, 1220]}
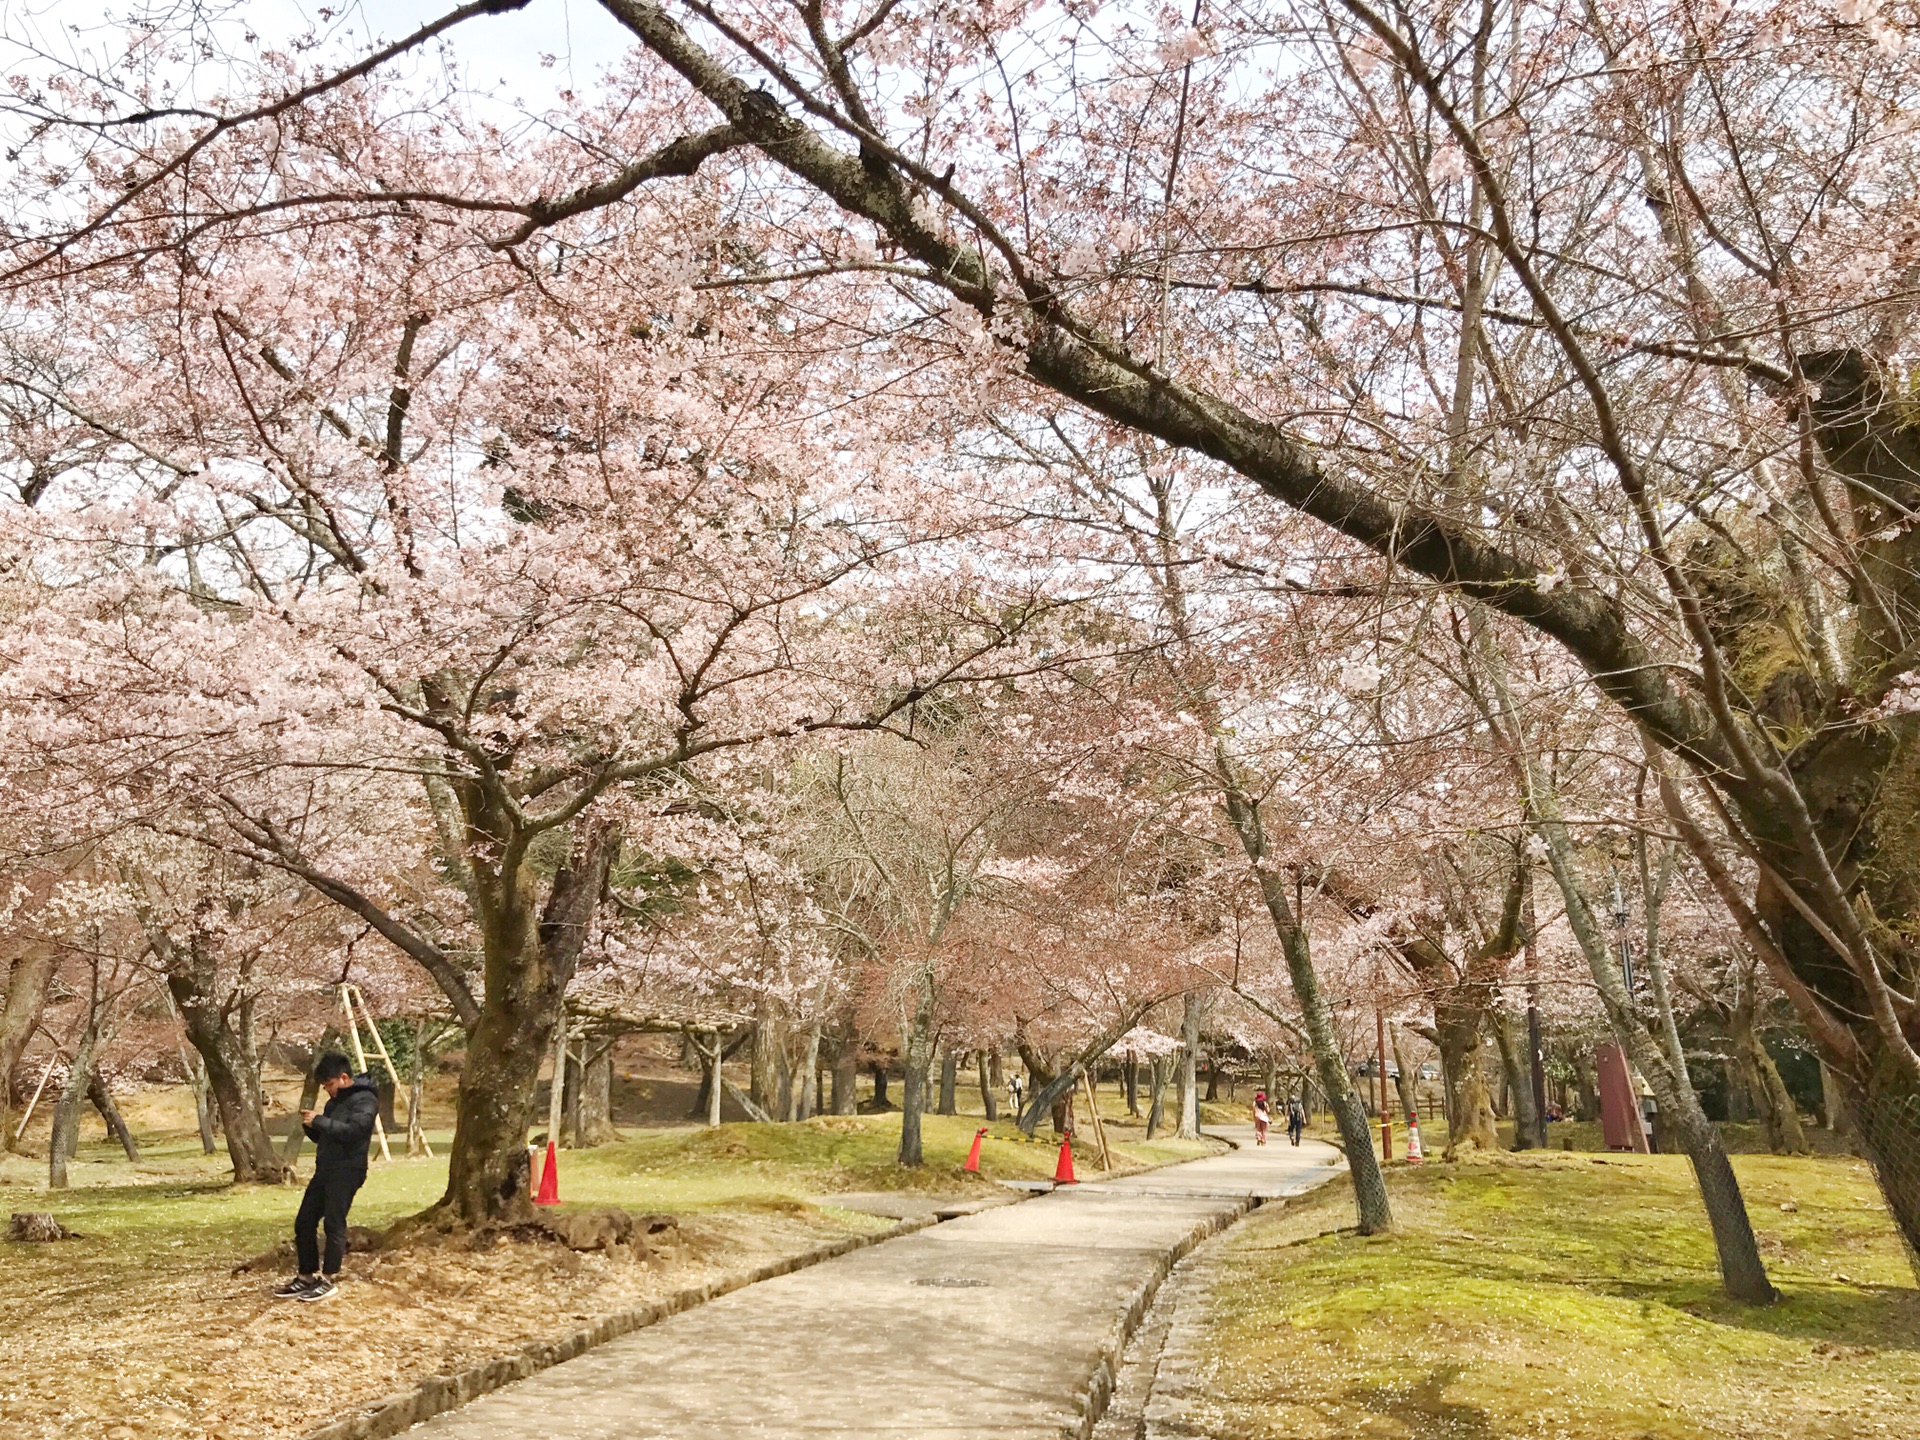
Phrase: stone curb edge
{"type": "Point", "coordinates": [1100, 1384]}
{"type": "Point", "coordinates": [437, 1394]}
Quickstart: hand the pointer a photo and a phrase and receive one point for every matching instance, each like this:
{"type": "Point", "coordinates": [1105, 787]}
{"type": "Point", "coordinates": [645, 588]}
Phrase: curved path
{"type": "Point", "coordinates": [1000, 1323]}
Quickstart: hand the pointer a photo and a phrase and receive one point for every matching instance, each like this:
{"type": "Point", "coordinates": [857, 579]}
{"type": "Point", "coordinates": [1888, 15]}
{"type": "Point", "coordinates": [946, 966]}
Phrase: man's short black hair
{"type": "Point", "coordinates": [332, 1064]}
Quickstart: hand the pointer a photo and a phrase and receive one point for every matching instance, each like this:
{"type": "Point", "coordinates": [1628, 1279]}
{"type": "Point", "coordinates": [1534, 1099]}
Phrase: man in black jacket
{"type": "Point", "coordinates": [340, 1134]}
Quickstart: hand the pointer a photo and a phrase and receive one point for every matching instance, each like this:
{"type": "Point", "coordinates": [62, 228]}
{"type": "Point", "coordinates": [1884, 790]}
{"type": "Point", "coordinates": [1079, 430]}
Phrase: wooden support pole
{"type": "Point", "coordinates": [1099, 1127]}
{"type": "Point", "coordinates": [393, 1074]}
{"type": "Point", "coordinates": [360, 1064]}
{"type": "Point", "coordinates": [45, 1075]}
{"type": "Point", "coordinates": [558, 1089]}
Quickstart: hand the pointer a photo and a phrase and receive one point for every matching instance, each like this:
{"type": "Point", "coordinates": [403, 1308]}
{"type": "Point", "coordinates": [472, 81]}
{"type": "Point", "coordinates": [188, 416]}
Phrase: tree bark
{"type": "Point", "coordinates": [1659, 1059]}
{"type": "Point", "coordinates": [1157, 1094]}
{"type": "Point", "coordinates": [309, 1096]}
{"type": "Point", "coordinates": [1510, 1033]}
{"type": "Point", "coordinates": [1408, 1083]}
{"type": "Point", "coordinates": [232, 1075]}
{"type": "Point", "coordinates": [916, 1059]}
{"type": "Point", "coordinates": [596, 1098]}
{"type": "Point", "coordinates": [196, 1075]}
{"type": "Point", "coordinates": [1130, 1078]}
{"type": "Point", "coordinates": [1784, 1133]}
{"type": "Point", "coordinates": [1189, 1124]}
{"type": "Point", "coordinates": [763, 1067]}
{"type": "Point", "coordinates": [949, 1081]}
{"type": "Point", "coordinates": [989, 1087]}
{"type": "Point", "coordinates": [806, 1087]}
{"type": "Point", "coordinates": [27, 981]}
{"type": "Point", "coordinates": [66, 1113]}
{"type": "Point", "coordinates": [845, 1095]}
{"type": "Point", "coordinates": [102, 1100]}
{"type": "Point", "coordinates": [1587, 1085]}
{"type": "Point", "coordinates": [528, 958]}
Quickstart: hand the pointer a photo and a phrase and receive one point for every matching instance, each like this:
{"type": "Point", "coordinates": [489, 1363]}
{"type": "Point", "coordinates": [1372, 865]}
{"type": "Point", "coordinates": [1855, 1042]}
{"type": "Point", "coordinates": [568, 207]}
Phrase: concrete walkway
{"type": "Point", "coordinates": [999, 1323]}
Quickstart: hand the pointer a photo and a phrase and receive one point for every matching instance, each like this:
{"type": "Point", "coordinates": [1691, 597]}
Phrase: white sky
{"type": "Point", "coordinates": [501, 53]}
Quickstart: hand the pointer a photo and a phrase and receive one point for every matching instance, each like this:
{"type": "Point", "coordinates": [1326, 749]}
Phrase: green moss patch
{"type": "Point", "coordinates": [1565, 1296]}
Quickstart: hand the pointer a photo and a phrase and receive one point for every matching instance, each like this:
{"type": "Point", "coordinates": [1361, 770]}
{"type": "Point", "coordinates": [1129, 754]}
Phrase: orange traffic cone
{"type": "Point", "coordinates": [973, 1155]}
{"type": "Point", "coordinates": [1063, 1172]}
{"type": "Point", "coordinates": [550, 1180]}
{"type": "Point", "coordinates": [1415, 1153]}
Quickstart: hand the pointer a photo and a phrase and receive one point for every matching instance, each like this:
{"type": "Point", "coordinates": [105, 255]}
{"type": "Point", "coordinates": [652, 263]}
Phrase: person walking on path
{"type": "Point", "coordinates": [1260, 1117]}
{"type": "Point", "coordinates": [341, 1134]}
{"type": "Point", "coordinates": [1296, 1121]}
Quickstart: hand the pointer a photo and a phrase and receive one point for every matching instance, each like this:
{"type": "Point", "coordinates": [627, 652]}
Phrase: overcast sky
{"type": "Point", "coordinates": [498, 52]}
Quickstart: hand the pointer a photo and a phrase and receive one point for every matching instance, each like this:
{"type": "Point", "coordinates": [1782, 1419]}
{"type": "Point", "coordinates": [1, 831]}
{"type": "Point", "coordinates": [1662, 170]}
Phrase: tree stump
{"type": "Point", "coordinates": [37, 1226]}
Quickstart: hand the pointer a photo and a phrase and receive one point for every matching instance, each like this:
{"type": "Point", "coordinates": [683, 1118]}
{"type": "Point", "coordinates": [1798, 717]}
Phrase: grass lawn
{"type": "Point", "coordinates": [1564, 1297]}
{"type": "Point", "coordinates": [139, 1329]}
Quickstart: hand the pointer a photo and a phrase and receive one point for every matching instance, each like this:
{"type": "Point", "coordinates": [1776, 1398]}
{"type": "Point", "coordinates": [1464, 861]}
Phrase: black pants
{"type": "Point", "coordinates": [328, 1197]}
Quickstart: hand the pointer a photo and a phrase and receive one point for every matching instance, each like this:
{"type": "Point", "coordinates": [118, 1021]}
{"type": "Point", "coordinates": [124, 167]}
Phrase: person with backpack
{"type": "Point", "coordinates": [1296, 1120]}
{"type": "Point", "coordinates": [341, 1134]}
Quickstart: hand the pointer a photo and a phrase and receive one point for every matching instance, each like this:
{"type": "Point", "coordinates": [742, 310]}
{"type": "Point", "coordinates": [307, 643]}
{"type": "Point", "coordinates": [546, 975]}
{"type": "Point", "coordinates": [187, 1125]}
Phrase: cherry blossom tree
{"type": "Point", "coordinates": [1593, 315]}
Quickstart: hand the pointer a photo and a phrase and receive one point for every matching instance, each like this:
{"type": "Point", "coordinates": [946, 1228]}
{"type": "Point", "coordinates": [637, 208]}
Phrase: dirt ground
{"type": "Point", "coordinates": [184, 1348]}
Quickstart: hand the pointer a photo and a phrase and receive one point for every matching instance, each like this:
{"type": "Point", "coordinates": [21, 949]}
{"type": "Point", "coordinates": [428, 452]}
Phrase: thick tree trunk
{"type": "Point", "coordinates": [232, 1075]}
{"type": "Point", "coordinates": [489, 1176]}
{"type": "Point", "coordinates": [102, 1100]}
{"type": "Point", "coordinates": [806, 1086]}
{"type": "Point", "coordinates": [309, 1099]}
{"type": "Point", "coordinates": [916, 1060]}
{"type": "Point", "coordinates": [949, 1081]}
{"type": "Point", "coordinates": [1510, 1033]}
{"type": "Point", "coordinates": [596, 1098]}
{"type": "Point", "coordinates": [27, 980]}
{"type": "Point", "coordinates": [1130, 1079]}
{"type": "Point", "coordinates": [769, 1081]}
{"type": "Point", "coordinates": [1213, 1080]}
{"type": "Point", "coordinates": [1469, 1106]}
{"type": "Point", "coordinates": [880, 1100]}
{"type": "Point", "coordinates": [1156, 1095]}
{"type": "Point", "coordinates": [845, 1097]}
{"type": "Point", "coordinates": [528, 957]}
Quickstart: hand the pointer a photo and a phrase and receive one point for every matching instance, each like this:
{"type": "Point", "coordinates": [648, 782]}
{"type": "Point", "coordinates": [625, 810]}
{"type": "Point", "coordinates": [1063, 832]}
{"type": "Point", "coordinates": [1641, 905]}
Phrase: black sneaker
{"type": "Point", "coordinates": [295, 1287]}
{"type": "Point", "coordinates": [320, 1289]}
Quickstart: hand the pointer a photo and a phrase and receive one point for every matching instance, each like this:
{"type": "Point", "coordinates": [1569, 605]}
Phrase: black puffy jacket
{"type": "Point", "coordinates": [342, 1132]}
